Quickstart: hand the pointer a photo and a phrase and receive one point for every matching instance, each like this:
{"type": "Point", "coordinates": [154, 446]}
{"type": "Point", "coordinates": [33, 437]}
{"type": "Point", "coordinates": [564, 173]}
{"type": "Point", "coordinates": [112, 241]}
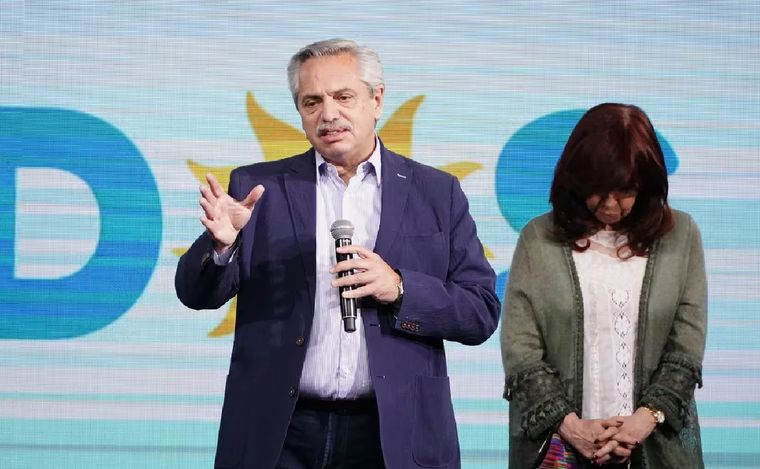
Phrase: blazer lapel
{"type": "Point", "coordinates": [397, 177]}
{"type": "Point", "coordinates": [301, 192]}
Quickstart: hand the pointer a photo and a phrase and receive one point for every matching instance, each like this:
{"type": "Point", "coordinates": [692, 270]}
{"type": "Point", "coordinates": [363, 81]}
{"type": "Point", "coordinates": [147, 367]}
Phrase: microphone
{"type": "Point", "coordinates": [341, 231]}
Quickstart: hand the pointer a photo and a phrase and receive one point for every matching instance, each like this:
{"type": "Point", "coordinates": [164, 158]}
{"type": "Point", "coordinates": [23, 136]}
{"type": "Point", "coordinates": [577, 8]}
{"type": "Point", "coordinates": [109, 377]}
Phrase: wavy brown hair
{"type": "Point", "coordinates": [613, 147]}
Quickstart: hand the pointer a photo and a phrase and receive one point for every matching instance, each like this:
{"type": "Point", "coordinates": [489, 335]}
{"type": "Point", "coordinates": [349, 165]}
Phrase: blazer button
{"type": "Point", "coordinates": [300, 341]}
{"type": "Point", "coordinates": [292, 392]}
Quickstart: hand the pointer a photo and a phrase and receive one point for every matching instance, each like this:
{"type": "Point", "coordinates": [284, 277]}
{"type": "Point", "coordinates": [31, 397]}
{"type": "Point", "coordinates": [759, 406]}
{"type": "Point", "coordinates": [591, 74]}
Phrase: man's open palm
{"type": "Point", "coordinates": [224, 216]}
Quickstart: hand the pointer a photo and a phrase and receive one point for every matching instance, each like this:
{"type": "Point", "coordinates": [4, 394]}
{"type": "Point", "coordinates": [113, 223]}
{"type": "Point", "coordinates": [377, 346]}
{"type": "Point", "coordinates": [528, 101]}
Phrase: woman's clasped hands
{"type": "Point", "coordinates": [609, 440]}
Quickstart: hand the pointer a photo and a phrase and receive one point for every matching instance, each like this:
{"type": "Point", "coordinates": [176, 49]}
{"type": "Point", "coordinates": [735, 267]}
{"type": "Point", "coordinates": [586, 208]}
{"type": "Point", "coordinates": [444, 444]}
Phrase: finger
{"type": "Point", "coordinates": [253, 196]}
{"type": "Point", "coordinates": [606, 434]}
{"type": "Point", "coordinates": [207, 194]}
{"type": "Point", "coordinates": [625, 438]}
{"type": "Point", "coordinates": [208, 224]}
{"type": "Point", "coordinates": [355, 279]}
{"type": "Point", "coordinates": [355, 249]}
{"type": "Point", "coordinates": [612, 422]}
{"type": "Point", "coordinates": [216, 188]}
{"type": "Point", "coordinates": [351, 264]}
{"type": "Point", "coordinates": [605, 450]}
{"type": "Point", "coordinates": [361, 292]}
{"type": "Point", "coordinates": [208, 209]}
{"type": "Point", "coordinates": [622, 452]}
{"type": "Point", "coordinates": [602, 460]}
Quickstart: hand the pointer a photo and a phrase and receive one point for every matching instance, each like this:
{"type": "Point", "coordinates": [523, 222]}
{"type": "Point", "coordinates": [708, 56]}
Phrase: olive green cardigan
{"type": "Point", "coordinates": [542, 343]}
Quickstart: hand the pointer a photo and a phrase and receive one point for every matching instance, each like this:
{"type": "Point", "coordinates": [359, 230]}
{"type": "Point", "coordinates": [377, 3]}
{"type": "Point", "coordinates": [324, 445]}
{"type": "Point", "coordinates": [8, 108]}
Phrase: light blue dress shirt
{"type": "Point", "coordinates": [336, 365]}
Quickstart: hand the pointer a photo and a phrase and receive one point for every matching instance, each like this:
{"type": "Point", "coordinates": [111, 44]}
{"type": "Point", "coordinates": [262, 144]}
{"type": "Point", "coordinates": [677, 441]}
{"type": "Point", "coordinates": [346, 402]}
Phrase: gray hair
{"type": "Point", "coordinates": [370, 67]}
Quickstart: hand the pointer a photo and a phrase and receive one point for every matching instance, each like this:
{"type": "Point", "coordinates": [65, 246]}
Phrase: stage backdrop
{"type": "Point", "coordinates": [111, 112]}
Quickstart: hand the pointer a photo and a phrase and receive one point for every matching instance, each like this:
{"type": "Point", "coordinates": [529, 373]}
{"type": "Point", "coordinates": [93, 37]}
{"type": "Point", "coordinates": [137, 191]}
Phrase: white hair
{"type": "Point", "coordinates": [370, 67]}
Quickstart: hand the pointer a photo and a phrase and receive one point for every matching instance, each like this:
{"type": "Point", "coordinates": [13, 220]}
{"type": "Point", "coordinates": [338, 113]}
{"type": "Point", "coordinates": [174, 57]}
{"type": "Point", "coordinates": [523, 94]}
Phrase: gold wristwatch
{"type": "Point", "coordinates": [658, 415]}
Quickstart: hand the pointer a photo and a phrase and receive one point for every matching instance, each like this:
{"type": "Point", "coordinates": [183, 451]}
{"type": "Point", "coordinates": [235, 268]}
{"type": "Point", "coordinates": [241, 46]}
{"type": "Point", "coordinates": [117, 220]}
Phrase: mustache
{"type": "Point", "coordinates": [337, 125]}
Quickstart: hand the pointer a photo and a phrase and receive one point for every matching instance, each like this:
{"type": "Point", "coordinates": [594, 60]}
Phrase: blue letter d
{"type": "Point", "coordinates": [130, 223]}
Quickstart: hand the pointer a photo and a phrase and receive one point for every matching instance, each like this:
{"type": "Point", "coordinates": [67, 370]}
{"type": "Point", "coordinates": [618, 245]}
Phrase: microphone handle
{"type": "Point", "coordinates": [340, 242]}
{"type": "Point", "coordinates": [347, 305]}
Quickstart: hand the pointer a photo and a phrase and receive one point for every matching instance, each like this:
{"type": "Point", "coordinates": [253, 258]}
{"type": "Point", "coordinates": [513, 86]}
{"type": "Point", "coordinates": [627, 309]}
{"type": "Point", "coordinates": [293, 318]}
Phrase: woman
{"type": "Point", "coordinates": [606, 308]}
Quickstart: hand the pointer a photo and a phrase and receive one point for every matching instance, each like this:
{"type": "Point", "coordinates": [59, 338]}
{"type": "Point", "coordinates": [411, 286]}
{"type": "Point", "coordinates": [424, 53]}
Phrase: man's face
{"type": "Point", "coordinates": [337, 112]}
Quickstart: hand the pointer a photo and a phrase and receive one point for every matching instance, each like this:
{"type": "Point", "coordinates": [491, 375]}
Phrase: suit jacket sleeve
{"type": "Point", "coordinates": [199, 282]}
{"type": "Point", "coordinates": [463, 307]}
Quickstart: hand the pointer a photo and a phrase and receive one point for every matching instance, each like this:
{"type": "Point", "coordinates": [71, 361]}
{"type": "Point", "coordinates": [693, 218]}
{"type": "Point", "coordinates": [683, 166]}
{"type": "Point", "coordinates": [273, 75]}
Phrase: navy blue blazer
{"type": "Point", "coordinates": [426, 232]}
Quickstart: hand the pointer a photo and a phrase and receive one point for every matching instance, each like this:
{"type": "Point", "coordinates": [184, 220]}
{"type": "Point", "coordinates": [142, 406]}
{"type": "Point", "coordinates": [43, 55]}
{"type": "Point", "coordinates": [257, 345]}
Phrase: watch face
{"type": "Point", "coordinates": [658, 415]}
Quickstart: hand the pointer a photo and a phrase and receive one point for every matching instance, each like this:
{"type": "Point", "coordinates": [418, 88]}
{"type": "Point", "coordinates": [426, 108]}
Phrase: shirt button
{"type": "Point", "coordinates": [292, 392]}
{"type": "Point", "coordinates": [300, 341]}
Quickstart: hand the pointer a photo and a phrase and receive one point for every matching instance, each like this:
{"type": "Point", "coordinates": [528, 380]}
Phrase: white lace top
{"type": "Point", "coordinates": [611, 289]}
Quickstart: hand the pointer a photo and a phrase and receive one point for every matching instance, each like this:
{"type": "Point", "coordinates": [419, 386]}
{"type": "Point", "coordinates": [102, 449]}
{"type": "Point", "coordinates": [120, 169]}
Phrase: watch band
{"type": "Point", "coordinates": [657, 415]}
{"type": "Point", "coordinates": [400, 287]}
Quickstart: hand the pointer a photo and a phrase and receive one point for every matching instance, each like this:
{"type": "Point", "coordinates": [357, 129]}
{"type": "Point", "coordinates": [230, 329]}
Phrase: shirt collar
{"type": "Point", "coordinates": [373, 162]}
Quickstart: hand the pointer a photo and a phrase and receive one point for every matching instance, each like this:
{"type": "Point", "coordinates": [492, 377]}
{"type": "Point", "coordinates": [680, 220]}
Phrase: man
{"type": "Point", "coordinates": [302, 392]}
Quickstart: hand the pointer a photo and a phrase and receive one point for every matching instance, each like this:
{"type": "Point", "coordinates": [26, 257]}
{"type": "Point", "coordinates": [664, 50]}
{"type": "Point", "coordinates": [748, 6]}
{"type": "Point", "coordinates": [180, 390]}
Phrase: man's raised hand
{"type": "Point", "coordinates": [224, 216]}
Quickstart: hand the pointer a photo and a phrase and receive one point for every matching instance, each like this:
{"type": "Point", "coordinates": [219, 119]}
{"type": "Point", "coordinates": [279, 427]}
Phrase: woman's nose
{"type": "Point", "coordinates": [609, 200]}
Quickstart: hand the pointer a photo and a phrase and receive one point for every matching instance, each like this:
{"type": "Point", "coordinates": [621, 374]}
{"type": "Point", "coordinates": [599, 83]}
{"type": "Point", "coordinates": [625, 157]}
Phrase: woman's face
{"type": "Point", "coordinates": [611, 207]}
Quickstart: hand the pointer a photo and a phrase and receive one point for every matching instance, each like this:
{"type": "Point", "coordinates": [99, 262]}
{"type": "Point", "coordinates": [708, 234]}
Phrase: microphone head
{"type": "Point", "coordinates": [342, 229]}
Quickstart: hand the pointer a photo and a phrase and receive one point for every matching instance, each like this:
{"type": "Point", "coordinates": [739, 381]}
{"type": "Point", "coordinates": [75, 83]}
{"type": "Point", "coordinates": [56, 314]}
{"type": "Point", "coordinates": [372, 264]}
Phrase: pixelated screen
{"type": "Point", "coordinates": [112, 111]}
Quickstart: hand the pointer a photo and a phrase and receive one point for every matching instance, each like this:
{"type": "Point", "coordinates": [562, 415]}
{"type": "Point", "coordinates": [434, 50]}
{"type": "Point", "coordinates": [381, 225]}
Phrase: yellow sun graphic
{"type": "Point", "coordinates": [279, 140]}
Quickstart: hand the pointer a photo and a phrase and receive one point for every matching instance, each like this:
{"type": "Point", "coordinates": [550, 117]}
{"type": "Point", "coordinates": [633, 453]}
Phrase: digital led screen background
{"type": "Point", "coordinates": [110, 111]}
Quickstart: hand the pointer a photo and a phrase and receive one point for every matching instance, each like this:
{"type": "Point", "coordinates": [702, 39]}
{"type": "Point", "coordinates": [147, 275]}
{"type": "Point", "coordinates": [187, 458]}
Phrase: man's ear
{"type": "Point", "coordinates": [379, 99]}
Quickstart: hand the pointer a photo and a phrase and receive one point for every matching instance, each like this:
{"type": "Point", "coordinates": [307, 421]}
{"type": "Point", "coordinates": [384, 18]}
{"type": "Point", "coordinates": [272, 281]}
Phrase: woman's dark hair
{"type": "Point", "coordinates": [613, 147]}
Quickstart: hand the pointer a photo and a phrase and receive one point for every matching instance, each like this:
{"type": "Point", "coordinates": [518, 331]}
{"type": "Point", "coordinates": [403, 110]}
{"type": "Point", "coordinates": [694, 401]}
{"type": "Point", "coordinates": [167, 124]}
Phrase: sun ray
{"type": "Point", "coordinates": [221, 173]}
{"type": "Point", "coordinates": [227, 326]}
{"type": "Point", "coordinates": [461, 169]}
{"type": "Point", "coordinates": [396, 134]}
{"type": "Point", "coordinates": [179, 251]}
{"type": "Point", "coordinates": [278, 139]}
{"type": "Point", "coordinates": [488, 253]}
